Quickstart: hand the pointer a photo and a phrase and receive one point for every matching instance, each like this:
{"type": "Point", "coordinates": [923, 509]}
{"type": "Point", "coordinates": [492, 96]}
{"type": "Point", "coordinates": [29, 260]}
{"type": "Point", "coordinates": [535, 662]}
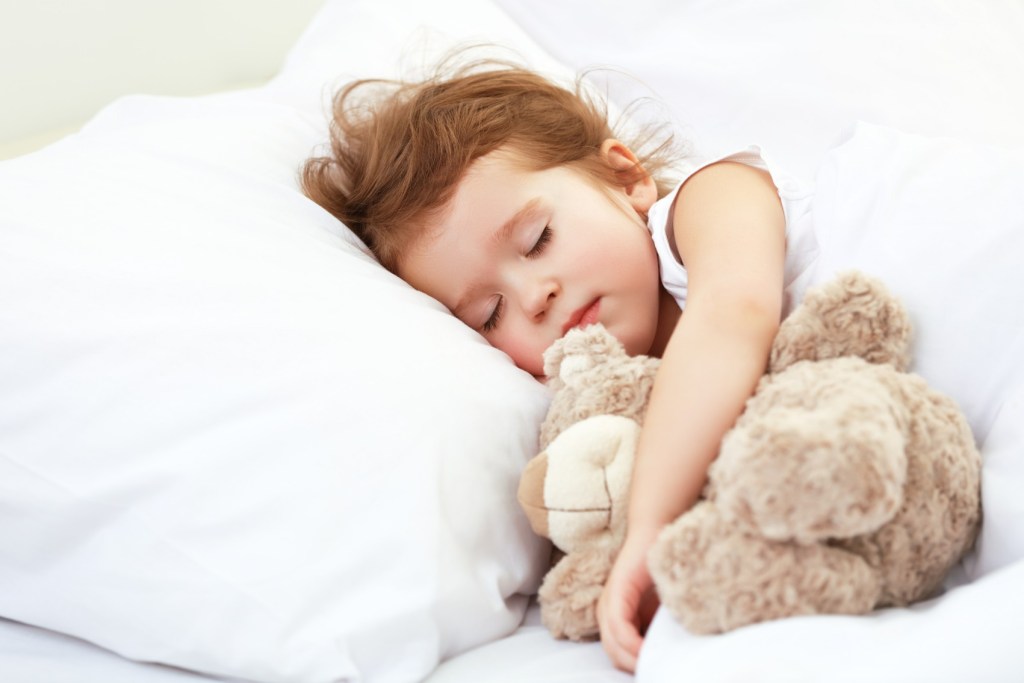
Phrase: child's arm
{"type": "Point", "coordinates": [730, 232]}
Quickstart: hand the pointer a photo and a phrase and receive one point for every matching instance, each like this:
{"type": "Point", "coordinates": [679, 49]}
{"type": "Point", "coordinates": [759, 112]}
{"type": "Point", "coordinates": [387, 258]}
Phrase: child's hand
{"type": "Point", "coordinates": [627, 604]}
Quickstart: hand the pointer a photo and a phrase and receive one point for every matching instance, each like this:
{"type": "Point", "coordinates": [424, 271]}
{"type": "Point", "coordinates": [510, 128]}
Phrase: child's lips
{"type": "Point", "coordinates": [583, 316]}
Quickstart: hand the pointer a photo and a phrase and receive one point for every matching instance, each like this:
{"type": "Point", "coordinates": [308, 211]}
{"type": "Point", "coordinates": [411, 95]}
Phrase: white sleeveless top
{"type": "Point", "coordinates": [801, 244]}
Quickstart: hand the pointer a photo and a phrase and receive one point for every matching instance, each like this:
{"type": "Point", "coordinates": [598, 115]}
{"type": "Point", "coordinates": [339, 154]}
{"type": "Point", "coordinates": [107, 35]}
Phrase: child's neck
{"type": "Point", "coordinates": [668, 315]}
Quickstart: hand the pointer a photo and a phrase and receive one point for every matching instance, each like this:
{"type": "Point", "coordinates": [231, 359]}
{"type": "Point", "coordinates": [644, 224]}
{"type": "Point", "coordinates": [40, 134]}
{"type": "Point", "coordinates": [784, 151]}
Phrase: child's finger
{"type": "Point", "coordinates": [625, 646]}
{"type": "Point", "coordinates": [619, 634]}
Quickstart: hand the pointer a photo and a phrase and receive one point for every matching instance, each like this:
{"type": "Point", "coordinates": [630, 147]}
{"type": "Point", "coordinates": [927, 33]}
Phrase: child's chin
{"type": "Point", "coordinates": [634, 343]}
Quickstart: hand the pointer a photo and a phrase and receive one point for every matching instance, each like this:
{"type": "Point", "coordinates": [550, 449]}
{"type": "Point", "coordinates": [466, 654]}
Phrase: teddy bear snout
{"type": "Point", "coordinates": [531, 494]}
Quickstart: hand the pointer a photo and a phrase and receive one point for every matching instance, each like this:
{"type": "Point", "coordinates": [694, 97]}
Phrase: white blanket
{"type": "Point", "coordinates": [942, 222]}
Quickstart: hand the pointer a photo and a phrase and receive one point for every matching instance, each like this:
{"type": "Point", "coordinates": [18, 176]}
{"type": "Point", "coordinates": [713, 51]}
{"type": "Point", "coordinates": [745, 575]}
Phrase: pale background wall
{"type": "Point", "coordinates": [62, 60]}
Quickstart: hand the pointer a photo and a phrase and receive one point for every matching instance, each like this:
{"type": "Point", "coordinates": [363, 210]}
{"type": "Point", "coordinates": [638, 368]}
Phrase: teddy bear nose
{"type": "Point", "coordinates": [531, 493]}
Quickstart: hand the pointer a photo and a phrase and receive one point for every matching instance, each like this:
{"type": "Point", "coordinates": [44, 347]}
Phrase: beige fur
{"type": "Point", "coordinates": [847, 484]}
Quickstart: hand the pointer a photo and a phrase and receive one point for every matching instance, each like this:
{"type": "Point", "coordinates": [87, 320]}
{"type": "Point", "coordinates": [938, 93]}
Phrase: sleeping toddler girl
{"type": "Point", "coordinates": [509, 199]}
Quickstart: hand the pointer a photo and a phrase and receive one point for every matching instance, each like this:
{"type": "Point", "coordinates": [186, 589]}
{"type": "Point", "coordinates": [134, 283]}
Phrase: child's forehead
{"type": "Point", "coordinates": [500, 172]}
{"type": "Point", "coordinates": [509, 166]}
{"type": "Point", "coordinates": [507, 157]}
{"type": "Point", "coordinates": [503, 180]}
{"type": "Point", "coordinates": [489, 184]}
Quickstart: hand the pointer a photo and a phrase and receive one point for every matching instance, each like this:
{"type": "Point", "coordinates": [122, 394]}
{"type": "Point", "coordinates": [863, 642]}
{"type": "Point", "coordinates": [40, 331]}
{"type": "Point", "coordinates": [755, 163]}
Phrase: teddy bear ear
{"type": "Point", "coordinates": [553, 358]}
{"type": "Point", "coordinates": [579, 351]}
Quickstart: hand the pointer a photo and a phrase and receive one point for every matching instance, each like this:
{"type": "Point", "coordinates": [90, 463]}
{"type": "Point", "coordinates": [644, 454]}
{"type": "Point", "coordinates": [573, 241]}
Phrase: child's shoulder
{"type": "Point", "coordinates": [725, 193]}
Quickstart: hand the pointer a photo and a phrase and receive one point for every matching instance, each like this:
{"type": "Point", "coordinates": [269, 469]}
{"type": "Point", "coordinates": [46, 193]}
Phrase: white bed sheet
{"type": "Point", "coordinates": [34, 655]}
{"type": "Point", "coordinates": [530, 655]}
{"type": "Point", "coordinates": [947, 640]}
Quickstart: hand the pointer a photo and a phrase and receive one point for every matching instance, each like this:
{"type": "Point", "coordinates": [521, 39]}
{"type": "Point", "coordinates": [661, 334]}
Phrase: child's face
{"type": "Point", "coordinates": [523, 256]}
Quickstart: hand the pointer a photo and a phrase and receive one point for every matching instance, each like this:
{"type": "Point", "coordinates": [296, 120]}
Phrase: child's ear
{"type": "Point", "coordinates": [639, 185]}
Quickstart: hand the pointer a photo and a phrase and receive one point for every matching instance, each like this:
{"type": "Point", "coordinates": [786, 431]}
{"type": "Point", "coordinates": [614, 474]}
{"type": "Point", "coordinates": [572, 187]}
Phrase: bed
{"type": "Point", "coordinates": [234, 448]}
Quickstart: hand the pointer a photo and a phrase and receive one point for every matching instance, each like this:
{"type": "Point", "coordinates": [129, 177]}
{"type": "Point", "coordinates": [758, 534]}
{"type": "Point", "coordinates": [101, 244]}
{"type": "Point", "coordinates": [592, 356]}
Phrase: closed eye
{"type": "Point", "coordinates": [536, 250]}
{"type": "Point", "coordinates": [541, 243]}
{"type": "Point", "coordinates": [492, 322]}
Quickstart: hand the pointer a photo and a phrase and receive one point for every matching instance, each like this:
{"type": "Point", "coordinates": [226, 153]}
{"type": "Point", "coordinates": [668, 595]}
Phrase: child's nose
{"type": "Point", "coordinates": [540, 297]}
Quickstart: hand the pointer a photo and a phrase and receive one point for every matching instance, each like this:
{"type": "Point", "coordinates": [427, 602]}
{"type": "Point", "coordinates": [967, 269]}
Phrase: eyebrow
{"type": "Point", "coordinates": [529, 210]}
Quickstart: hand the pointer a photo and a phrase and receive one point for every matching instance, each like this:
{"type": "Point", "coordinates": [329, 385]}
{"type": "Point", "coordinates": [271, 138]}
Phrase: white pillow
{"type": "Point", "coordinates": [229, 440]}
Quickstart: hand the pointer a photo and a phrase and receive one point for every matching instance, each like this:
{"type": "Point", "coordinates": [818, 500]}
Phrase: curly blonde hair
{"type": "Point", "coordinates": [398, 149]}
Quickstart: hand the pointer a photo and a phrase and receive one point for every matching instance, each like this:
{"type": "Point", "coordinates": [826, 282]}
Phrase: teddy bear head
{"type": "Point", "coordinates": [575, 491]}
{"type": "Point", "coordinates": [589, 373]}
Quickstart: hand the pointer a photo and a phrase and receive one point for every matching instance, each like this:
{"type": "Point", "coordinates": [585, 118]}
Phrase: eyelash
{"type": "Point", "coordinates": [541, 243]}
{"type": "Point", "coordinates": [492, 321]}
{"type": "Point", "coordinates": [536, 250]}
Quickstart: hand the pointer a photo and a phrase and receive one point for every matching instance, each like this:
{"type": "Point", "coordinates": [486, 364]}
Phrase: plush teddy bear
{"type": "Point", "coordinates": [846, 484]}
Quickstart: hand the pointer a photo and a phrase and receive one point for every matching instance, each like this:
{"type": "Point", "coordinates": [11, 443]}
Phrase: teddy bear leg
{"type": "Point", "coordinates": [570, 590]}
{"type": "Point", "coordinates": [714, 577]}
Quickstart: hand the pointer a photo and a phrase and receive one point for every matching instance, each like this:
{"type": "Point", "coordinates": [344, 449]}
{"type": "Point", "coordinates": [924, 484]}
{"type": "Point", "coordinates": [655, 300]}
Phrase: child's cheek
{"type": "Point", "coordinates": [527, 354]}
